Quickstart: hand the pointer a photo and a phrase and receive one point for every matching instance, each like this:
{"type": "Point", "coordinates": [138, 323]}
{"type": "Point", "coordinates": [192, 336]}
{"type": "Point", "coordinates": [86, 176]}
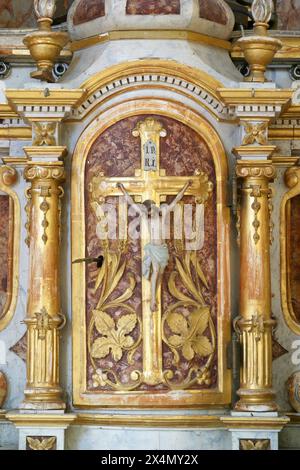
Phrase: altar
{"type": "Point", "coordinates": [148, 199]}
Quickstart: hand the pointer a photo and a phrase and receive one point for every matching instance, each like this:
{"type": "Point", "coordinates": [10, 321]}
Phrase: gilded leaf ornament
{"type": "Point", "coordinates": [255, 133]}
{"type": "Point", "coordinates": [44, 133]}
{"type": "Point", "coordinates": [189, 320]}
{"type": "Point", "coordinates": [247, 444]}
{"type": "Point", "coordinates": [262, 10]}
{"type": "Point", "coordinates": [189, 333]}
{"type": "Point", "coordinates": [114, 337]}
{"type": "Point", "coordinates": [46, 443]}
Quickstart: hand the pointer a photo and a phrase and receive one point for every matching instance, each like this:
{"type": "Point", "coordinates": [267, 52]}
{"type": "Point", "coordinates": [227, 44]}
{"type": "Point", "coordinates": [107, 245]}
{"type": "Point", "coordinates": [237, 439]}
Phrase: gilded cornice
{"type": "Point", "coordinates": [44, 97]}
{"type": "Point", "coordinates": [255, 96]}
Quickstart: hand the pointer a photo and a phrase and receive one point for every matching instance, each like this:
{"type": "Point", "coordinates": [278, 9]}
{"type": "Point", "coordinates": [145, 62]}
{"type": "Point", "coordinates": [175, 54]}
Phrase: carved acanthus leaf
{"type": "Point", "coordinates": [47, 443]}
{"type": "Point", "coordinates": [189, 335]}
{"type": "Point", "coordinates": [115, 336]}
{"type": "Point", "coordinates": [261, 444]}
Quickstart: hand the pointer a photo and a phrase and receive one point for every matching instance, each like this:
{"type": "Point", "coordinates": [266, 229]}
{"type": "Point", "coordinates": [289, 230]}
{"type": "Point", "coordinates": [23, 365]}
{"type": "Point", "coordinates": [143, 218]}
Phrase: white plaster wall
{"type": "Point", "coordinates": [106, 438]}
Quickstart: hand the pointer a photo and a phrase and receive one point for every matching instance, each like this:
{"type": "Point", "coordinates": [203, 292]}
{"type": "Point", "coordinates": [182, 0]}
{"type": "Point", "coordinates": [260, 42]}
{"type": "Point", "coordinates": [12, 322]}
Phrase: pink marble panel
{"type": "Point", "coordinates": [153, 7]}
{"type": "Point", "coordinates": [88, 10]}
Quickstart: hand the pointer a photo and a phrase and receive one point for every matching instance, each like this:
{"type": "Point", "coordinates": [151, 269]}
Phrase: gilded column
{"type": "Point", "coordinates": [255, 323]}
{"type": "Point", "coordinates": [44, 318]}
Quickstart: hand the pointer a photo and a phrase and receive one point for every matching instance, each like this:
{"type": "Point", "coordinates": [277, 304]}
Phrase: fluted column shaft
{"type": "Point", "coordinates": [255, 323]}
{"type": "Point", "coordinates": [44, 318]}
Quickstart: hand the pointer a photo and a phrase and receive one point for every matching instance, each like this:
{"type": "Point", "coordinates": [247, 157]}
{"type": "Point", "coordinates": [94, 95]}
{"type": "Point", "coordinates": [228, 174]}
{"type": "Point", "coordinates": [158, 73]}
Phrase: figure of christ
{"type": "Point", "coordinates": [156, 256]}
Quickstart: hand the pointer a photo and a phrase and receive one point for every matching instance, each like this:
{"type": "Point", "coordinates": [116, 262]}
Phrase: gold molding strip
{"type": "Point", "coordinates": [43, 420]}
{"type": "Point", "coordinates": [6, 112]}
{"type": "Point", "coordinates": [152, 421]}
{"type": "Point", "coordinates": [255, 422]}
{"type": "Point", "coordinates": [294, 419]}
{"type": "Point", "coordinates": [292, 112]}
{"type": "Point", "coordinates": [284, 133]}
{"type": "Point", "coordinates": [37, 97]}
{"type": "Point", "coordinates": [21, 133]}
{"type": "Point", "coordinates": [15, 160]}
{"type": "Point", "coordinates": [152, 34]}
{"type": "Point", "coordinates": [255, 96]}
{"type": "Point", "coordinates": [285, 161]}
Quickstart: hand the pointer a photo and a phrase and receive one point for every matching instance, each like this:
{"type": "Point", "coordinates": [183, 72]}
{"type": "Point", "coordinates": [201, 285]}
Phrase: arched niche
{"type": "Point", "coordinates": [89, 389]}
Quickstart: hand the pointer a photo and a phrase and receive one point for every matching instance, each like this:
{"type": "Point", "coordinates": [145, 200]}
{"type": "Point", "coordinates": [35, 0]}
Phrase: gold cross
{"type": "Point", "coordinates": [151, 183]}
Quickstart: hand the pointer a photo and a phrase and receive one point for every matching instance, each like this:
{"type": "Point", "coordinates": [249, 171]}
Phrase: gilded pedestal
{"type": "Point", "coordinates": [255, 323]}
{"type": "Point", "coordinates": [44, 318]}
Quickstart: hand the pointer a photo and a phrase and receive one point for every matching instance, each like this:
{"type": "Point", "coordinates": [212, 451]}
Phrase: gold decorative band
{"type": "Point", "coordinates": [152, 34]}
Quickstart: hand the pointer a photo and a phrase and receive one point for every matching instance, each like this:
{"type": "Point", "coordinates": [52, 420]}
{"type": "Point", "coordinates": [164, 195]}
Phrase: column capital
{"type": "Point", "coordinates": [255, 169]}
{"type": "Point", "coordinates": [45, 172]}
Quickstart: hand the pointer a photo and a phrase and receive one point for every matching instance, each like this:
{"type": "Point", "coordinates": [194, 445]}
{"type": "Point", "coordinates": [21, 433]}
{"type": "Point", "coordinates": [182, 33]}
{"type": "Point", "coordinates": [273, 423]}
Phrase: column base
{"type": "Point", "coordinates": [254, 431]}
{"type": "Point", "coordinates": [257, 400]}
{"type": "Point", "coordinates": [43, 399]}
{"type": "Point", "coordinates": [41, 431]}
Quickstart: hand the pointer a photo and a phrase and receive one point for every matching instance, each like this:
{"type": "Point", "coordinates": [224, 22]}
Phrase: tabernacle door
{"type": "Point", "coordinates": [151, 324]}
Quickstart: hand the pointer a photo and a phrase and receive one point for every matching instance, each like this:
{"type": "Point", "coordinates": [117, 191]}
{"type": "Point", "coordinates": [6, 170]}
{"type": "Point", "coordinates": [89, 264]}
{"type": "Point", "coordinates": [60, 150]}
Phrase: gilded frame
{"type": "Point", "coordinates": [8, 177]}
{"type": "Point", "coordinates": [292, 179]}
{"type": "Point", "coordinates": [187, 399]}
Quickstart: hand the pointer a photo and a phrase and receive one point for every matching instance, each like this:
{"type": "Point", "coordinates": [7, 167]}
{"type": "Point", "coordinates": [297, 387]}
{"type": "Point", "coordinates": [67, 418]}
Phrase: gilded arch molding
{"type": "Point", "coordinates": [150, 74]}
{"type": "Point", "coordinates": [8, 177]}
{"type": "Point", "coordinates": [82, 397]}
{"type": "Point", "coordinates": [292, 179]}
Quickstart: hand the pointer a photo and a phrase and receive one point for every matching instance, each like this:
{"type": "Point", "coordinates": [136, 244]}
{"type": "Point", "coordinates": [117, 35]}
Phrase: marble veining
{"type": "Point", "coordinates": [88, 10]}
{"type": "Point", "coordinates": [153, 7]}
{"type": "Point", "coordinates": [288, 14]}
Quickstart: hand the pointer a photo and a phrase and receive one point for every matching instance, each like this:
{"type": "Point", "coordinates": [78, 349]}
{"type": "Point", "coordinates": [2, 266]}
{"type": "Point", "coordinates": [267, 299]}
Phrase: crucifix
{"type": "Point", "coordinates": [151, 186]}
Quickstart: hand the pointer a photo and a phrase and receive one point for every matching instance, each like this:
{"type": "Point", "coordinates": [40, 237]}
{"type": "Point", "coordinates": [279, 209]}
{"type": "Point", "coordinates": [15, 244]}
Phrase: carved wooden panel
{"type": "Point", "coordinates": [136, 355]}
{"type": "Point", "coordinates": [290, 251]}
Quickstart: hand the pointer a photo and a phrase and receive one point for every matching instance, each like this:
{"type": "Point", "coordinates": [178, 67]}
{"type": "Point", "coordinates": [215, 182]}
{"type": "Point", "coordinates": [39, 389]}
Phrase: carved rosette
{"type": "Point", "coordinates": [44, 318]}
{"type": "Point", "coordinates": [255, 323]}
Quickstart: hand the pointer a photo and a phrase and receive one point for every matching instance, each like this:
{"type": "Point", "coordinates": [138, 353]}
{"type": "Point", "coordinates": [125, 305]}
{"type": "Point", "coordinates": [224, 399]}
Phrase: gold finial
{"type": "Point", "coordinates": [262, 10]}
{"type": "Point", "coordinates": [259, 49]}
{"type": "Point", "coordinates": [44, 8]}
{"type": "Point", "coordinates": [45, 45]}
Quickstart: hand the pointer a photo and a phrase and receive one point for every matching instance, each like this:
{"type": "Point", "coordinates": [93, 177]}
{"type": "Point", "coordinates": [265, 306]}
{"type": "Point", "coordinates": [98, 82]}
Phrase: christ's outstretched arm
{"type": "Point", "coordinates": [178, 197]}
{"type": "Point", "coordinates": [129, 199]}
